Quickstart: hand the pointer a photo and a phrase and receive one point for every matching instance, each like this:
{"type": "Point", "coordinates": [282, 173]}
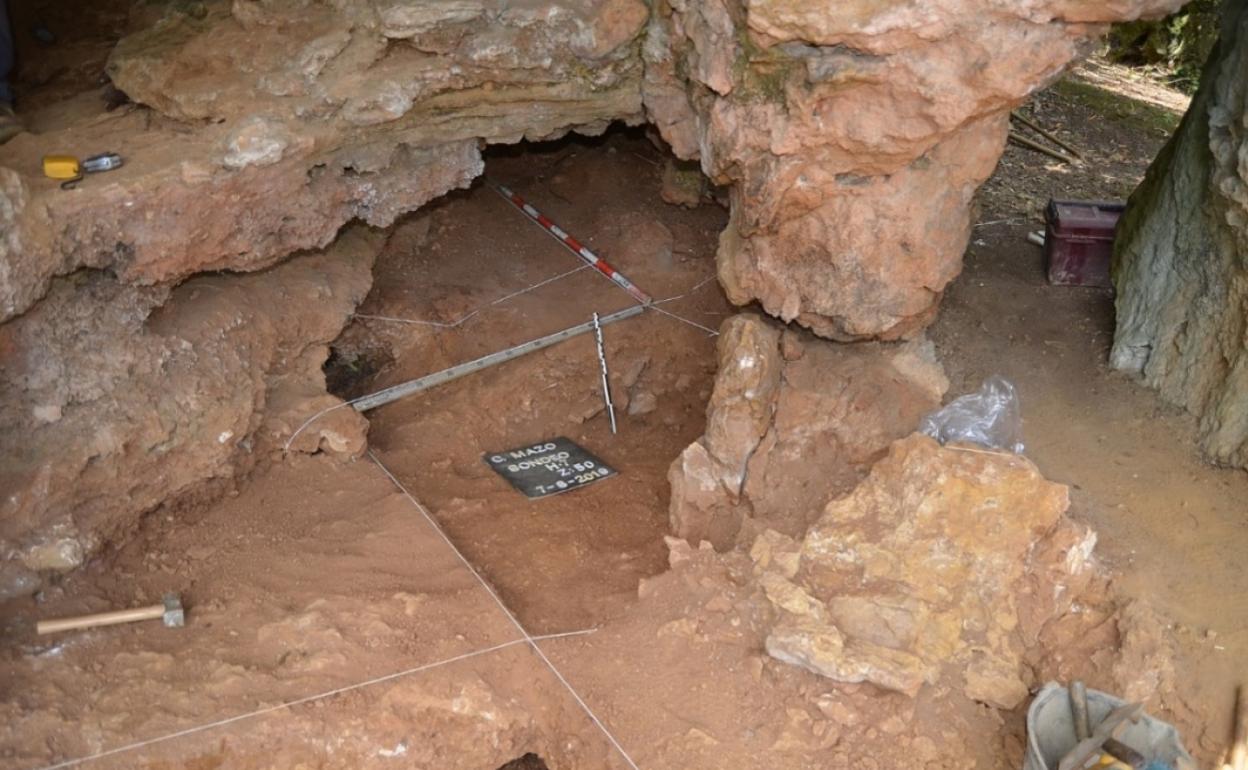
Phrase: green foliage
{"type": "Point", "coordinates": [1178, 44]}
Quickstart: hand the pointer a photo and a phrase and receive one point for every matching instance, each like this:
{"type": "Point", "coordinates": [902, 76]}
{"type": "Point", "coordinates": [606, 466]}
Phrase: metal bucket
{"type": "Point", "coordinates": [1051, 730]}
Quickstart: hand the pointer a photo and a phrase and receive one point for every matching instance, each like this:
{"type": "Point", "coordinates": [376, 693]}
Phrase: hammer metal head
{"type": "Point", "coordinates": [174, 616]}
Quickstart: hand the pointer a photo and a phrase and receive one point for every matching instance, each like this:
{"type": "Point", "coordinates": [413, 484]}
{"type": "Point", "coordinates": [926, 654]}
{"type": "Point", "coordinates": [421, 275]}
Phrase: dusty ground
{"type": "Point", "coordinates": [338, 536]}
{"type": "Point", "coordinates": [318, 575]}
{"type": "Point", "coordinates": [1172, 526]}
{"type": "Point", "coordinates": [567, 560]}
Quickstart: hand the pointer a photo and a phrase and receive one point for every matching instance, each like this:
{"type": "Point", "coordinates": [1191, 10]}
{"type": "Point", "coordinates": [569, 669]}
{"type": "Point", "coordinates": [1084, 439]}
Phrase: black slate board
{"type": "Point", "coordinates": [548, 467]}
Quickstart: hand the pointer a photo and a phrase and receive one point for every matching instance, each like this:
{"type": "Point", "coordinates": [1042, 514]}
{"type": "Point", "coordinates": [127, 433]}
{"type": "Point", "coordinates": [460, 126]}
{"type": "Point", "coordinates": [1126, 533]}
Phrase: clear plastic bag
{"type": "Point", "coordinates": [989, 417]}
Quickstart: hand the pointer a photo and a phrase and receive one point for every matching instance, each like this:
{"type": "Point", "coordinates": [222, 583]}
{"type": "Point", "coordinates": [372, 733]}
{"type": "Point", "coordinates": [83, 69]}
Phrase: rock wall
{"type": "Point", "coordinates": [793, 422]}
{"type": "Point", "coordinates": [854, 137]}
{"type": "Point", "coordinates": [116, 399]}
{"type": "Point", "coordinates": [1181, 258]}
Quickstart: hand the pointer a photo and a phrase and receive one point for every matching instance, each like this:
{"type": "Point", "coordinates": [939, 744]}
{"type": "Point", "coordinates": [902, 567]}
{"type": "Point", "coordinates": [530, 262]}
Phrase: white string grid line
{"type": "Point", "coordinates": [655, 306]}
{"type": "Point", "coordinates": [706, 329]}
{"type": "Point", "coordinates": [472, 313]}
{"type": "Point", "coordinates": [506, 611]}
{"type": "Point", "coordinates": [306, 699]}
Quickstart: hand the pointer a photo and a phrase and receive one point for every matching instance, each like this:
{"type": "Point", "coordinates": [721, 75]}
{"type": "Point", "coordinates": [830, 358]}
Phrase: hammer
{"type": "Point", "coordinates": [170, 611]}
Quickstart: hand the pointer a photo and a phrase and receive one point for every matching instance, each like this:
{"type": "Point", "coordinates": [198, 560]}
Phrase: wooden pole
{"type": "Point", "coordinates": [1029, 144]}
{"type": "Point", "coordinates": [154, 612]}
{"type": "Point", "coordinates": [1032, 125]}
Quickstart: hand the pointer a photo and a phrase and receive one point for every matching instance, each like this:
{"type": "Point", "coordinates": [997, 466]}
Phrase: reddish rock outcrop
{"type": "Point", "coordinates": [921, 566]}
{"type": "Point", "coordinates": [793, 422]}
{"type": "Point", "coordinates": [315, 115]}
{"type": "Point", "coordinates": [854, 137]}
{"type": "Point", "coordinates": [160, 219]}
{"type": "Point", "coordinates": [115, 400]}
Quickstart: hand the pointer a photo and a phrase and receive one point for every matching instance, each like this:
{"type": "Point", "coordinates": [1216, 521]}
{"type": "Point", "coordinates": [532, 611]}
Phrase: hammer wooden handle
{"type": "Point", "coordinates": [154, 612]}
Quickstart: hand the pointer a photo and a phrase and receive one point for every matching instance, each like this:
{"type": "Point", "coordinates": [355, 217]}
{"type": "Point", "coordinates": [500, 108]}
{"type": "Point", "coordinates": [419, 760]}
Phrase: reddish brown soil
{"type": "Point", "coordinates": [318, 575]}
{"type": "Point", "coordinates": [569, 560]}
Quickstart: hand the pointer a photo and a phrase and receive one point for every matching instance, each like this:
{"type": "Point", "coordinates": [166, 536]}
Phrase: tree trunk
{"type": "Point", "coordinates": [1181, 258]}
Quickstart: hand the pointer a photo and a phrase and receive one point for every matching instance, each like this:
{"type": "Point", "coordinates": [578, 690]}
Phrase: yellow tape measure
{"type": "Point", "coordinates": [70, 169]}
{"type": "Point", "coordinates": [61, 167]}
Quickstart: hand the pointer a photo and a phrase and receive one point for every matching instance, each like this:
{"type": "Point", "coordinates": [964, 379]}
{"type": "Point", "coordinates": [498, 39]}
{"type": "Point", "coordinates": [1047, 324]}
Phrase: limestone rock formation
{"type": "Point", "coordinates": [729, 623]}
{"type": "Point", "coordinates": [296, 117]}
{"type": "Point", "coordinates": [793, 421]}
{"type": "Point", "coordinates": [316, 114]}
{"type": "Point", "coordinates": [922, 565]}
{"type": "Point", "coordinates": [854, 137]}
{"type": "Point", "coordinates": [188, 206]}
{"type": "Point", "coordinates": [116, 399]}
{"type": "Point", "coordinates": [1181, 258]}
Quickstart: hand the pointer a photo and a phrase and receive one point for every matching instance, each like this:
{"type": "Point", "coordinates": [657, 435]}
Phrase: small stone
{"type": "Point", "coordinates": [47, 413]}
{"type": "Point", "coordinates": [633, 371]}
{"type": "Point", "coordinates": [894, 725]}
{"type": "Point", "coordinates": [17, 580]}
{"type": "Point", "coordinates": [837, 711]}
{"type": "Point", "coordinates": [791, 345]}
{"type": "Point", "coordinates": [62, 555]}
{"type": "Point", "coordinates": [194, 172]}
{"type": "Point", "coordinates": [256, 141]}
{"type": "Point", "coordinates": [642, 402]}
{"type": "Point", "coordinates": [995, 682]}
{"type": "Point", "coordinates": [925, 748]}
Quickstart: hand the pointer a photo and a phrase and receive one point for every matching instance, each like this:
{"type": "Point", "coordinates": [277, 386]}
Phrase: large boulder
{"type": "Point", "coordinates": [1181, 258]}
{"type": "Point", "coordinates": [921, 566]}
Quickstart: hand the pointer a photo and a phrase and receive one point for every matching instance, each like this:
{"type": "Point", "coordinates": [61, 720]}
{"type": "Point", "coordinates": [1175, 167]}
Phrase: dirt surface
{"type": "Point", "coordinates": [567, 560]}
{"type": "Point", "coordinates": [1171, 526]}
{"type": "Point", "coordinates": [319, 575]}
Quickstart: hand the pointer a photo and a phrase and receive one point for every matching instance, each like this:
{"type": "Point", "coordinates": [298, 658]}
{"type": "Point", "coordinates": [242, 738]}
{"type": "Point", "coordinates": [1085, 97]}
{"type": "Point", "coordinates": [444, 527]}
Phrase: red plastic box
{"type": "Point", "coordinates": [1079, 241]}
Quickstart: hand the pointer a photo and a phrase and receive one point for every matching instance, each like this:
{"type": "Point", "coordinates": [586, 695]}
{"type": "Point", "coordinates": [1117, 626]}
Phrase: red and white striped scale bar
{"type": "Point", "coordinates": [575, 246]}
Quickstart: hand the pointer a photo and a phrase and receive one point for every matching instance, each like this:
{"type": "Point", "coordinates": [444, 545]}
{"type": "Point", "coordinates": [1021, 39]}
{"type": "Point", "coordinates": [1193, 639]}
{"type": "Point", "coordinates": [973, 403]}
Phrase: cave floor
{"type": "Point", "coordinates": [566, 560]}
{"type": "Point", "coordinates": [318, 574]}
